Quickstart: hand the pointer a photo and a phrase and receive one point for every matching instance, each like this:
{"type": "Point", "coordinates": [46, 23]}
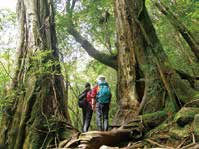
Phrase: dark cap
{"type": "Point", "coordinates": [87, 85]}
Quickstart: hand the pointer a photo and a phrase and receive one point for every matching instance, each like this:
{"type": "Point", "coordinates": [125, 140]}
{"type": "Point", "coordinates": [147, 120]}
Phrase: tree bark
{"type": "Point", "coordinates": [139, 48]}
{"type": "Point", "coordinates": [127, 94]}
{"type": "Point", "coordinates": [38, 116]}
{"type": "Point", "coordinates": [186, 34]}
{"type": "Point", "coordinates": [133, 45]}
{"type": "Point", "coordinates": [152, 60]}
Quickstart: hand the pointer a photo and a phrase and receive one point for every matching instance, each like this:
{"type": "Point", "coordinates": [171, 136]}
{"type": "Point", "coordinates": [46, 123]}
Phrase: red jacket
{"type": "Point", "coordinates": [94, 91]}
{"type": "Point", "coordinates": [89, 97]}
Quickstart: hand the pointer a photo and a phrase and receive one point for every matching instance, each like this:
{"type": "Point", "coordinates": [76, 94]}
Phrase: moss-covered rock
{"type": "Point", "coordinates": [186, 115]}
{"type": "Point", "coordinates": [152, 120]}
{"type": "Point", "coordinates": [196, 125]}
{"type": "Point", "coordinates": [178, 132]}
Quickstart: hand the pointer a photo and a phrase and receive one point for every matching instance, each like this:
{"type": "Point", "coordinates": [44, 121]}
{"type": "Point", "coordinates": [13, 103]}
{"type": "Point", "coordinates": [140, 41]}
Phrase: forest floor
{"type": "Point", "coordinates": [179, 133]}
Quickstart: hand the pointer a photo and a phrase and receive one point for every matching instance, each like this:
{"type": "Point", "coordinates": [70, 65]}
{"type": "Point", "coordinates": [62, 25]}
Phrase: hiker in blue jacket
{"type": "Point", "coordinates": [102, 95]}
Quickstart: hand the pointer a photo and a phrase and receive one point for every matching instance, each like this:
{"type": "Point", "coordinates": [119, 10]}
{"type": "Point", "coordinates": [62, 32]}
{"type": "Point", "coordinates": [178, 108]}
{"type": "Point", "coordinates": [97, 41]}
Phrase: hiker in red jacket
{"type": "Point", "coordinates": [93, 96]}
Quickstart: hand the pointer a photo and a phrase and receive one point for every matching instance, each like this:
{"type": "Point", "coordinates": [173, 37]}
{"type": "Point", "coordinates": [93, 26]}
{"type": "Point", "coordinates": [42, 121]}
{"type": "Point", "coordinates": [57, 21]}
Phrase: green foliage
{"type": "Point", "coordinates": [179, 53]}
{"type": "Point", "coordinates": [7, 18]}
{"type": "Point", "coordinates": [85, 18]}
{"type": "Point", "coordinates": [7, 30]}
{"type": "Point", "coordinates": [43, 62]}
{"type": "Point", "coordinates": [101, 27]}
{"type": "Point", "coordinates": [6, 62]}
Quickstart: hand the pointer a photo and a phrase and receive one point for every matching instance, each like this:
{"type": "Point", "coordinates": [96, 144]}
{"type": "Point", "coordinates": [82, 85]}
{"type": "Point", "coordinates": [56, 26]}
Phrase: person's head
{"type": "Point", "coordinates": [88, 85]}
{"type": "Point", "coordinates": [101, 79]}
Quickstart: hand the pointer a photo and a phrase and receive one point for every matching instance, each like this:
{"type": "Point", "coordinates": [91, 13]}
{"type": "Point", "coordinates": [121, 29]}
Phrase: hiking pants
{"type": "Point", "coordinates": [102, 110]}
{"type": "Point", "coordinates": [87, 115]}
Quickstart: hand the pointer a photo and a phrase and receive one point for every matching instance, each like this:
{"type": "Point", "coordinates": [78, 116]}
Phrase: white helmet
{"type": "Point", "coordinates": [101, 79]}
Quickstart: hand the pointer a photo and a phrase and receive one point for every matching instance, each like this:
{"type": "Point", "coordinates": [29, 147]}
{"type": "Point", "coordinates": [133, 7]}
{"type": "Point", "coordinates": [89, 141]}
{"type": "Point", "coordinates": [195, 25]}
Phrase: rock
{"type": "Point", "coordinates": [186, 115]}
{"type": "Point", "coordinates": [196, 125]}
{"type": "Point", "coordinates": [178, 132]}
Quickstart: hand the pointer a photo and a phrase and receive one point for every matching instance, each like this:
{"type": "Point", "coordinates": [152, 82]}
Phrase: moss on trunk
{"type": "Point", "coordinates": [138, 40]}
{"type": "Point", "coordinates": [39, 116]}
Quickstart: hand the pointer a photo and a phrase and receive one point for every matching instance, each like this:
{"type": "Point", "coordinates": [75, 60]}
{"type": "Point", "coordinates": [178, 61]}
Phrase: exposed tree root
{"type": "Point", "coordinates": [157, 144]}
{"type": "Point", "coordinates": [95, 139]}
{"type": "Point", "coordinates": [131, 131]}
{"type": "Point", "coordinates": [146, 131]}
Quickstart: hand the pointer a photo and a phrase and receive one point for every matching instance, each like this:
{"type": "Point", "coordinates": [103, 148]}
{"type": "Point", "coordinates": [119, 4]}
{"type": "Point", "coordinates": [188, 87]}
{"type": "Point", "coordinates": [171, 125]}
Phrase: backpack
{"type": "Point", "coordinates": [82, 102]}
{"type": "Point", "coordinates": [104, 93]}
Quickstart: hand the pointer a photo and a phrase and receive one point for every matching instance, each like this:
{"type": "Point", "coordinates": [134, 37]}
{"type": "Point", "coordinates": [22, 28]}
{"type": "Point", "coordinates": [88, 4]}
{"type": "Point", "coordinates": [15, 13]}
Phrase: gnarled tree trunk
{"type": "Point", "coordinates": [127, 94]}
{"type": "Point", "coordinates": [133, 51]}
{"type": "Point", "coordinates": [141, 50]}
{"type": "Point", "coordinates": [38, 116]}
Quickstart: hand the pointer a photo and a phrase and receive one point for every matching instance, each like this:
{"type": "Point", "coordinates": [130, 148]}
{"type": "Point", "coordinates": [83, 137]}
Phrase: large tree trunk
{"type": "Point", "coordinates": [151, 59]}
{"type": "Point", "coordinates": [127, 94]}
{"type": "Point", "coordinates": [132, 48]}
{"type": "Point", "coordinates": [139, 48]}
{"type": "Point", "coordinates": [175, 88]}
{"type": "Point", "coordinates": [38, 116]}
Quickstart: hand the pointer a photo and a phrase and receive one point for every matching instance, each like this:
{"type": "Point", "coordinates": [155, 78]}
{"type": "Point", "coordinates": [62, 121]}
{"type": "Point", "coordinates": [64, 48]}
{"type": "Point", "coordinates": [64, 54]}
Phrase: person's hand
{"type": "Point", "coordinates": [93, 107]}
{"type": "Point", "coordinates": [93, 104]}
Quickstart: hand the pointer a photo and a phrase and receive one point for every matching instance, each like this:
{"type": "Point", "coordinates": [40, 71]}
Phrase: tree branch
{"type": "Point", "coordinates": [106, 59]}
